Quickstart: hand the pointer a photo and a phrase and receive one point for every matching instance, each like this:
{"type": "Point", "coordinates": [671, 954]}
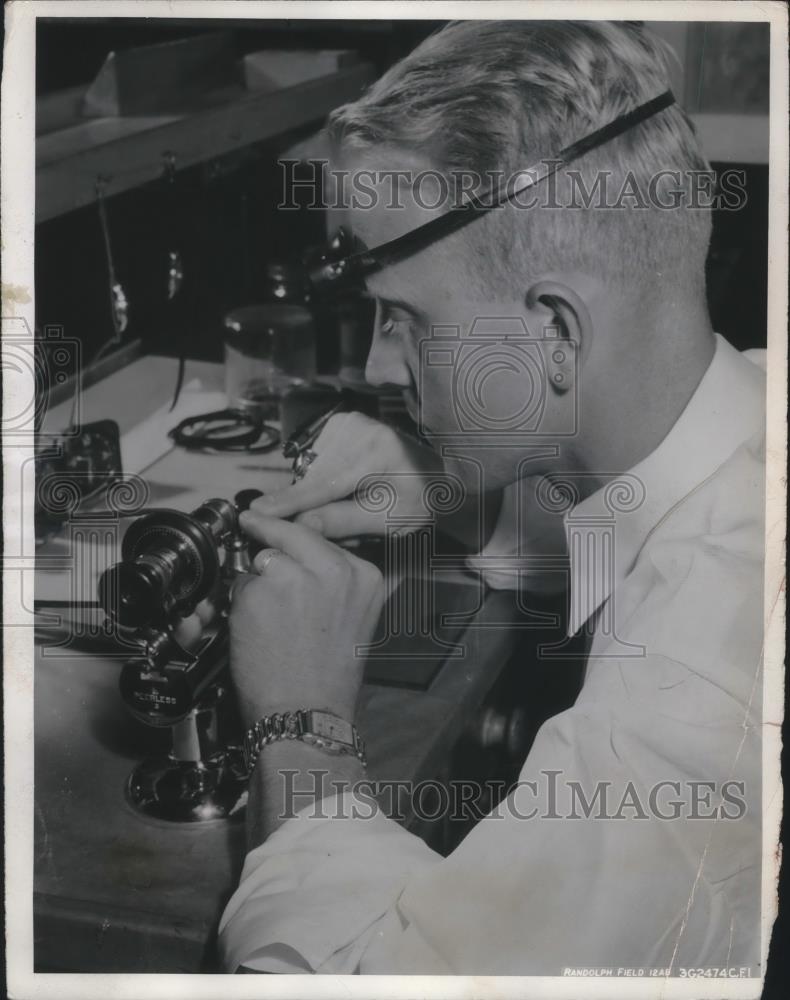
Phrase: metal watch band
{"type": "Point", "coordinates": [322, 729]}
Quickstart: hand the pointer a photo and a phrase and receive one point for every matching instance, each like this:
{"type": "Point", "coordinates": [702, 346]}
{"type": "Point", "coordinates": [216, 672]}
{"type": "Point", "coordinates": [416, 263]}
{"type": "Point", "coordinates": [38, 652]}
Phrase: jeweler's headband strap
{"type": "Point", "coordinates": [340, 266]}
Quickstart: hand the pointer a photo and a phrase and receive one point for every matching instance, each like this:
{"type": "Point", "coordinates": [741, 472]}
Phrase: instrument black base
{"type": "Point", "coordinates": [187, 791]}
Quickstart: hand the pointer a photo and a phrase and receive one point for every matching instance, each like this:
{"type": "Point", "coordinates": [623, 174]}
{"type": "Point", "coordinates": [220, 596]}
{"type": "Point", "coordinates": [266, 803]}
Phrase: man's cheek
{"type": "Point", "coordinates": [436, 410]}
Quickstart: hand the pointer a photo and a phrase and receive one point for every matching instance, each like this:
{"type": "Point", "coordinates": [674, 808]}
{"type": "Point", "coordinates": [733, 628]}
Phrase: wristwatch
{"type": "Point", "coordinates": [310, 725]}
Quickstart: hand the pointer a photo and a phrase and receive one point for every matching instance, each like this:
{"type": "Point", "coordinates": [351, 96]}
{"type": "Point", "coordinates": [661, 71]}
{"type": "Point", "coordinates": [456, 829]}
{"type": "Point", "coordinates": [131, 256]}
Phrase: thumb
{"type": "Point", "coordinates": [188, 631]}
{"type": "Point", "coordinates": [300, 496]}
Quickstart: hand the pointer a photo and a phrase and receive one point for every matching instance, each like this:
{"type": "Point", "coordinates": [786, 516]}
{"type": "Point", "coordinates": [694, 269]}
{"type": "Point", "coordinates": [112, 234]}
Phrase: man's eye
{"type": "Point", "coordinates": [393, 326]}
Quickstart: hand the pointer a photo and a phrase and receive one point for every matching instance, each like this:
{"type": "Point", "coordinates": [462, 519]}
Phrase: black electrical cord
{"type": "Point", "coordinates": [226, 430]}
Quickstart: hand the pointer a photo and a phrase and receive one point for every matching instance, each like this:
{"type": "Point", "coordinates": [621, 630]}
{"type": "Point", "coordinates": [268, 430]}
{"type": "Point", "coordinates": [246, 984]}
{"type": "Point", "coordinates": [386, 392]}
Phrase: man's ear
{"type": "Point", "coordinates": [567, 320]}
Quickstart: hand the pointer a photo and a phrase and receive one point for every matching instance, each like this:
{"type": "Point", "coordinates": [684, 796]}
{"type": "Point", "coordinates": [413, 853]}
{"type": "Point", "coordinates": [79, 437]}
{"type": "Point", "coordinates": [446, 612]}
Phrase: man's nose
{"type": "Point", "coordinates": [385, 364]}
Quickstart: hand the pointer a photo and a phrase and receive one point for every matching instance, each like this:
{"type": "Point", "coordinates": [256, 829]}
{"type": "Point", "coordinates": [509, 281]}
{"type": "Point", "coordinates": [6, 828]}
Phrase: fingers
{"type": "Point", "coordinates": [342, 520]}
{"type": "Point", "coordinates": [301, 543]}
{"type": "Point", "coordinates": [275, 562]}
{"type": "Point", "coordinates": [240, 583]}
{"type": "Point", "coordinates": [312, 491]}
{"type": "Point", "coordinates": [347, 448]}
{"type": "Point", "coordinates": [188, 631]}
{"type": "Point", "coordinates": [301, 568]}
{"type": "Point", "coordinates": [264, 557]}
{"type": "Point", "coordinates": [206, 611]}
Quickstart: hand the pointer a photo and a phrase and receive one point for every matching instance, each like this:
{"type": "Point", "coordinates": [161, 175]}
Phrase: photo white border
{"type": "Point", "coordinates": [18, 225]}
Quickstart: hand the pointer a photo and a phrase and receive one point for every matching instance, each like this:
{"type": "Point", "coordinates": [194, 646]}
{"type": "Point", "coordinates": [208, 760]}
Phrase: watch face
{"type": "Point", "coordinates": [331, 728]}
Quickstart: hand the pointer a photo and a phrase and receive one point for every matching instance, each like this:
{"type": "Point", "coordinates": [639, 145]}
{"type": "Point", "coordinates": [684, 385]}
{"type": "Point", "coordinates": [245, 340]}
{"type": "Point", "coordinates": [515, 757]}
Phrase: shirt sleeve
{"type": "Point", "coordinates": [584, 865]}
{"type": "Point", "coordinates": [316, 886]}
{"type": "Point", "coordinates": [609, 854]}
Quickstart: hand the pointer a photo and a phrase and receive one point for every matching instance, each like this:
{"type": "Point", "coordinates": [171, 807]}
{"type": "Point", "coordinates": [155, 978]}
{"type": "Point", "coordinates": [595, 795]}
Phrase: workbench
{"type": "Point", "coordinates": [116, 891]}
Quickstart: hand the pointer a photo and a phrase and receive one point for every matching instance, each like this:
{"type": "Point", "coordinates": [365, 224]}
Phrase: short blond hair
{"type": "Point", "coordinates": [481, 96]}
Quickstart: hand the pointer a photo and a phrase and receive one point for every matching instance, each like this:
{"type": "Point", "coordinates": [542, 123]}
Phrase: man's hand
{"type": "Point", "coordinates": [350, 447]}
{"type": "Point", "coordinates": [188, 633]}
{"type": "Point", "coordinates": [296, 620]}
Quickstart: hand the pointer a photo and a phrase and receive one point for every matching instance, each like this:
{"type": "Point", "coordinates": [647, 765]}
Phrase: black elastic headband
{"type": "Point", "coordinates": [328, 271]}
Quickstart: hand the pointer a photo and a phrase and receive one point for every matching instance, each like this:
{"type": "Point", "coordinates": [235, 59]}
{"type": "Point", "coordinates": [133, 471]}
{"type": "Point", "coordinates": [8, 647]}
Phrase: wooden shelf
{"type": "Point", "coordinates": [129, 151]}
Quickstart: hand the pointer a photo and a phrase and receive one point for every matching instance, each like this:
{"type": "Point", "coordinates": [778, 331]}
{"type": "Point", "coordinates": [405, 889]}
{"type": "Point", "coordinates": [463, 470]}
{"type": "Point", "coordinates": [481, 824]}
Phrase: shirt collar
{"type": "Point", "coordinates": [606, 531]}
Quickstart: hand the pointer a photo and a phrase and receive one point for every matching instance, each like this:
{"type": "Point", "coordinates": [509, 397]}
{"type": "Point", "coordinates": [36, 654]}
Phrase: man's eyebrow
{"type": "Point", "coordinates": [394, 301]}
{"type": "Point", "coordinates": [371, 282]}
{"type": "Point", "coordinates": [398, 303]}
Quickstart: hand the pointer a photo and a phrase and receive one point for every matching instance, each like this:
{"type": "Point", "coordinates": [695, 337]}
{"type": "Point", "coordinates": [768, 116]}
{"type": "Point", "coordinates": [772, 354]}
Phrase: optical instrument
{"type": "Point", "coordinates": [171, 562]}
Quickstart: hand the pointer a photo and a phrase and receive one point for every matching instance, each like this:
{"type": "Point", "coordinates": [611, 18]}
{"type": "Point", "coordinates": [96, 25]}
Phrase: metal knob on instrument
{"type": "Point", "coordinates": [502, 730]}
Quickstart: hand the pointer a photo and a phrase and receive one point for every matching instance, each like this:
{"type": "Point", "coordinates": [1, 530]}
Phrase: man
{"type": "Point", "coordinates": [638, 393]}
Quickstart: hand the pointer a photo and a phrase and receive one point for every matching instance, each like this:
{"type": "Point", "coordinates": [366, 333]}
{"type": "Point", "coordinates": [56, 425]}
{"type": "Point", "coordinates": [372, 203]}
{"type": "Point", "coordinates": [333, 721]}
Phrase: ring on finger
{"type": "Point", "coordinates": [264, 558]}
{"type": "Point", "coordinates": [302, 463]}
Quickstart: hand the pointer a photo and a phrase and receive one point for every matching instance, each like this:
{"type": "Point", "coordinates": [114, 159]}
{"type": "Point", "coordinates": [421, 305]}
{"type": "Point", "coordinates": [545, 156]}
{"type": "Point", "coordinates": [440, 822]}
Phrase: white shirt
{"type": "Point", "coordinates": [672, 693]}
